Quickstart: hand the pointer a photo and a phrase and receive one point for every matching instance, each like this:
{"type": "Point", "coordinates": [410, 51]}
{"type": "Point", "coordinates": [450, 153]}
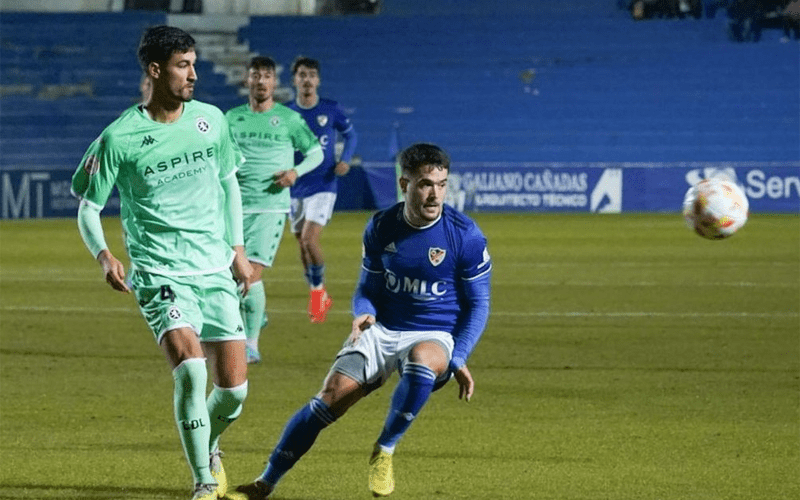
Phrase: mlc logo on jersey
{"type": "Point", "coordinates": [203, 125]}
{"type": "Point", "coordinates": [436, 255]}
{"type": "Point", "coordinates": [420, 289]}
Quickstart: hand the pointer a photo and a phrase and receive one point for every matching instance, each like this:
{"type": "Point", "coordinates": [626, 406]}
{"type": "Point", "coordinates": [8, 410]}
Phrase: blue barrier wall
{"type": "Point", "coordinates": [506, 187]}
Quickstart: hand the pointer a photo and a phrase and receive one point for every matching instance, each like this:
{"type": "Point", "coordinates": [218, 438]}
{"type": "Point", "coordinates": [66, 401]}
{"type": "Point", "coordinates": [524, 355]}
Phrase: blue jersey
{"type": "Point", "coordinates": [432, 278]}
{"type": "Point", "coordinates": [324, 119]}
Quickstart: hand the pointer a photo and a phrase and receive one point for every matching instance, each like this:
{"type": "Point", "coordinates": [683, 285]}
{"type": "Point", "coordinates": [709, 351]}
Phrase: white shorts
{"type": "Point", "coordinates": [316, 208]}
{"type": "Point", "coordinates": [387, 350]}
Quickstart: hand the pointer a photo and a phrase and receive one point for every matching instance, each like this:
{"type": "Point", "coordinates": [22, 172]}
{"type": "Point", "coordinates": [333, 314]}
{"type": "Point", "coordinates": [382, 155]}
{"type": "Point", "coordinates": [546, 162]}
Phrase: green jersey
{"type": "Point", "coordinates": [168, 176]}
{"type": "Point", "coordinates": [268, 142]}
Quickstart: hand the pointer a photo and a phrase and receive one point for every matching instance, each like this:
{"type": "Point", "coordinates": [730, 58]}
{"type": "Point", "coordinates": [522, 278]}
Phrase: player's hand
{"type": "Point", "coordinates": [113, 270]}
{"type": "Point", "coordinates": [285, 178]}
{"type": "Point", "coordinates": [242, 270]}
{"type": "Point", "coordinates": [341, 168]}
{"type": "Point", "coordinates": [360, 324]}
{"type": "Point", "coordinates": [466, 386]}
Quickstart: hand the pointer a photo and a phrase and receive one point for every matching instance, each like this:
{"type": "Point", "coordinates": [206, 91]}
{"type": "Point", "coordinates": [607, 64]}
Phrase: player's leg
{"type": "Point", "coordinates": [313, 213]}
{"type": "Point", "coordinates": [339, 393]}
{"type": "Point", "coordinates": [223, 342]}
{"type": "Point", "coordinates": [253, 312]}
{"type": "Point", "coordinates": [170, 307]}
{"type": "Point", "coordinates": [229, 368]}
{"type": "Point", "coordinates": [184, 354]}
{"type": "Point", "coordinates": [424, 363]}
{"type": "Point", "coordinates": [358, 370]}
{"type": "Point", "coordinates": [262, 233]}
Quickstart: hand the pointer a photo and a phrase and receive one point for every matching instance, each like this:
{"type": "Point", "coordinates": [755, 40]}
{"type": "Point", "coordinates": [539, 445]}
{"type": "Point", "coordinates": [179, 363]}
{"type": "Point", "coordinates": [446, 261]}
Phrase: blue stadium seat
{"type": "Point", "coordinates": [575, 80]}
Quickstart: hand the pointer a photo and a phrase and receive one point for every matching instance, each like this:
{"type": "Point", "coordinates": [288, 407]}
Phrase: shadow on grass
{"type": "Point", "coordinates": [74, 355]}
{"type": "Point", "coordinates": [49, 491]}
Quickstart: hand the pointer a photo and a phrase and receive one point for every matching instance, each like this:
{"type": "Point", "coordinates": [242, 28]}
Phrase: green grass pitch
{"type": "Point", "coordinates": [625, 359]}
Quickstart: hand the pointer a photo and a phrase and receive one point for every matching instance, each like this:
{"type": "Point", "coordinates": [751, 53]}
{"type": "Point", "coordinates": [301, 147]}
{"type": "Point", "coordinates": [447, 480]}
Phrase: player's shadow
{"type": "Point", "coordinates": [43, 491]}
{"type": "Point", "coordinates": [49, 491]}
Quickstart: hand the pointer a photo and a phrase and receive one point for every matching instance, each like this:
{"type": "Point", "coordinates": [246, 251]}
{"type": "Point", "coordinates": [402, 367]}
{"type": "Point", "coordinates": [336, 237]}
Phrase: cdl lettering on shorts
{"type": "Point", "coordinates": [414, 286]}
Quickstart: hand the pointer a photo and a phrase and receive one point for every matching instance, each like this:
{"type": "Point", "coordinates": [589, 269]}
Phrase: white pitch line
{"type": "Point", "coordinates": [642, 314]}
{"type": "Point", "coordinates": [506, 314]}
{"type": "Point", "coordinates": [587, 284]}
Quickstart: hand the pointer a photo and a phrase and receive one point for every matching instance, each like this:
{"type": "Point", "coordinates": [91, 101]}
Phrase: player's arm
{"type": "Point", "coordinates": [91, 230]}
{"type": "Point", "coordinates": [242, 270]}
{"type": "Point", "coordinates": [311, 160]}
{"type": "Point", "coordinates": [304, 141]}
{"type": "Point", "coordinates": [92, 183]}
{"type": "Point", "coordinates": [370, 282]}
{"type": "Point", "coordinates": [364, 310]}
{"type": "Point", "coordinates": [474, 316]}
{"type": "Point", "coordinates": [474, 299]}
{"type": "Point", "coordinates": [350, 138]}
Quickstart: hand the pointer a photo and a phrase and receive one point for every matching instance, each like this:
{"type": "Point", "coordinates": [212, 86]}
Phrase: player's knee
{"type": "Point", "coordinates": [237, 395]}
{"type": "Point", "coordinates": [430, 354]}
{"type": "Point", "coordinates": [340, 392]}
{"type": "Point", "coordinates": [190, 376]}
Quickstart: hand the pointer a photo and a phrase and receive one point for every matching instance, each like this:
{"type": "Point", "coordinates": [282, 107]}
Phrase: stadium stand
{"type": "Point", "coordinates": [66, 76]}
{"type": "Point", "coordinates": [592, 86]}
{"type": "Point", "coordinates": [567, 81]}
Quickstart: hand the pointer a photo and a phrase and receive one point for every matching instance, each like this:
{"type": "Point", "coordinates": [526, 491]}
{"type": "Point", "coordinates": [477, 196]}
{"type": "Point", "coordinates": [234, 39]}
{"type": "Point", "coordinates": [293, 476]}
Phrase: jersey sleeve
{"type": "Point", "coordinates": [475, 273]}
{"type": "Point", "coordinates": [345, 127]}
{"type": "Point", "coordinates": [475, 259]}
{"type": "Point", "coordinates": [371, 249]}
{"type": "Point", "coordinates": [371, 276]}
{"type": "Point", "coordinates": [96, 175]}
{"type": "Point", "coordinates": [341, 122]}
{"type": "Point", "coordinates": [230, 156]}
{"type": "Point", "coordinates": [303, 139]}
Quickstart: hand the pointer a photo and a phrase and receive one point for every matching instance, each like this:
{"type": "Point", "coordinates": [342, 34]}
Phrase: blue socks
{"type": "Point", "coordinates": [301, 431]}
{"type": "Point", "coordinates": [409, 397]}
{"type": "Point", "coordinates": [298, 436]}
{"type": "Point", "coordinates": [315, 275]}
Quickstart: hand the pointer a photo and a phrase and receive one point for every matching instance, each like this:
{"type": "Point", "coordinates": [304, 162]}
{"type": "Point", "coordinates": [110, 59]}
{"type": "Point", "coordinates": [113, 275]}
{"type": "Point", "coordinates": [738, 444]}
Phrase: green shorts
{"type": "Point", "coordinates": [207, 303]}
{"type": "Point", "coordinates": [262, 236]}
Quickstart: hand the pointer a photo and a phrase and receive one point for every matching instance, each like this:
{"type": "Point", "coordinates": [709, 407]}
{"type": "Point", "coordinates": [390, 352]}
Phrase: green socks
{"type": "Point", "coordinates": [253, 314]}
{"type": "Point", "coordinates": [224, 407]}
{"type": "Point", "coordinates": [191, 415]}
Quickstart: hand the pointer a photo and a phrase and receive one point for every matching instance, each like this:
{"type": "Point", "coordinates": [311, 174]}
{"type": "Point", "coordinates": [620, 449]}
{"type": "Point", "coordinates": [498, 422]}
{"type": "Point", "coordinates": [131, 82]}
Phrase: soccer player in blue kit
{"type": "Point", "coordinates": [420, 307]}
{"type": "Point", "coordinates": [314, 194]}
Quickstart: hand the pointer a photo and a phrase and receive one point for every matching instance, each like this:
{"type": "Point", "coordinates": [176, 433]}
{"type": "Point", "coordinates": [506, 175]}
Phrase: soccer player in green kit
{"type": "Point", "coordinates": [268, 134]}
{"type": "Point", "coordinates": [174, 163]}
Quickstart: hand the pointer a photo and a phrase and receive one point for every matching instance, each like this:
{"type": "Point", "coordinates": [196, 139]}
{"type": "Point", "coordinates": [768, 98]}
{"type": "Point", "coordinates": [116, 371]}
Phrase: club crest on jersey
{"type": "Point", "coordinates": [203, 125]}
{"type": "Point", "coordinates": [174, 313]}
{"type": "Point", "coordinates": [322, 120]}
{"type": "Point", "coordinates": [436, 255]}
{"type": "Point", "coordinates": [275, 121]}
{"type": "Point", "coordinates": [92, 165]}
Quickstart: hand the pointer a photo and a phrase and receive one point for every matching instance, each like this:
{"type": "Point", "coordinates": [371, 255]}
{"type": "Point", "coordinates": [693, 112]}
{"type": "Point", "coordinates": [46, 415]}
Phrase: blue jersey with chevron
{"type": "Point", "coordinates": [324, 119]}
{"type": "Point", "coordinates": [430, 278]}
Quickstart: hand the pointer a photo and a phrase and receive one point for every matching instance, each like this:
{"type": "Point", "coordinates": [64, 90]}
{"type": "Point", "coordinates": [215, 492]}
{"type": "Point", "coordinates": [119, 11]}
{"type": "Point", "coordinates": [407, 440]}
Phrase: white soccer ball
{"type": "Point", "coordinates": [715, 208]}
